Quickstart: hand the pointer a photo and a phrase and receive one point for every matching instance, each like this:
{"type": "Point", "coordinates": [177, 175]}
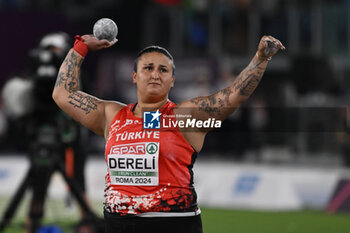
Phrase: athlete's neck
{"type": "Point", "coordinates": [143, 106]}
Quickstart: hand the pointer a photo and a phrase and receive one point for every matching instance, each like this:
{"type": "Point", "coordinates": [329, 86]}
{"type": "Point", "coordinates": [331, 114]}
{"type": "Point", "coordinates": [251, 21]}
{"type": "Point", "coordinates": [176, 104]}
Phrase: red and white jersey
{"type": "Point", "coordinates": [148, 171]}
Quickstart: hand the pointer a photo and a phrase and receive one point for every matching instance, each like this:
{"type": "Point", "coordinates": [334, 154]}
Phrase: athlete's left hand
{"type": "Point", "coordinates": [268, 47]}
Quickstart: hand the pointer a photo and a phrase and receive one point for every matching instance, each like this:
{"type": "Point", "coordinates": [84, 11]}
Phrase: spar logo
{"type": "Point", "coordinates": [135, 148]}
{"type": "Point", "coordinates": [151, 120]}
{"type": "Point", "coordinates": [151, 148]}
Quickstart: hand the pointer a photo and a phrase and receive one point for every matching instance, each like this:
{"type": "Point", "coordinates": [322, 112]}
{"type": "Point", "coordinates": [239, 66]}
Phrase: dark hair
{"type": "Point", "coordinates": [151, 49]}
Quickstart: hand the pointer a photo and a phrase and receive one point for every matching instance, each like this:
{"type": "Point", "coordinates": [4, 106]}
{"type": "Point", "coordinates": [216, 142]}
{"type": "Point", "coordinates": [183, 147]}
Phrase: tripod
{"type": "Point", "coordinates": [46, 156]}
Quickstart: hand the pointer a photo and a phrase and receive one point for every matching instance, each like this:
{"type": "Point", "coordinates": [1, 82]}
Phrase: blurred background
{"type": "Point", "coordinates": [286, 149]}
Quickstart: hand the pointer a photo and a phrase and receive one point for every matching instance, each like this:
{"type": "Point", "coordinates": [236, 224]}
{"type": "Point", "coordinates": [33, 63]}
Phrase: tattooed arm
{"type": "Point", "coordinates": [221, 104]}
{"type": "Point", "coordinates": [90, 111]}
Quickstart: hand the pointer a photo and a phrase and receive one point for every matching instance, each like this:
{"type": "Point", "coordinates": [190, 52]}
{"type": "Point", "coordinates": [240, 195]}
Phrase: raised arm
{"type": "Point", "coordinates": [90, 111]}
{"type": "Point", "coordinates": [221, 104]}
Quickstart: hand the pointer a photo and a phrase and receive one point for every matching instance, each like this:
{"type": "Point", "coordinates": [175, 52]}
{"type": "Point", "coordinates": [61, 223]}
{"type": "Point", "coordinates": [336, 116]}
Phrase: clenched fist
{"type": "Point", "coordinates": [268, 47]}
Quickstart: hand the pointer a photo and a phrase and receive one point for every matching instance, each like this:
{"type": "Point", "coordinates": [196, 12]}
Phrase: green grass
{"type": "Point", "coordinates": [234, 221]}
{"type": "Point", "coordinates": [240, 221]}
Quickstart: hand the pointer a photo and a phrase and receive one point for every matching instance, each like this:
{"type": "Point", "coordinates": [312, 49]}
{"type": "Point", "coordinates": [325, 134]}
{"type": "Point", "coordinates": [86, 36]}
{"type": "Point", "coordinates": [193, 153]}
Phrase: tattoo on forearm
{"type": "Point", "coordinates": [242, 86]}
{"type": "Point", "coordinates": [246, 86]}
{"type": "Point", "coordinates": [69, 73]}
{"type": "Point", "coordinates": [68, 78]}
{"type": "Point", "coordinates": [248, 80]}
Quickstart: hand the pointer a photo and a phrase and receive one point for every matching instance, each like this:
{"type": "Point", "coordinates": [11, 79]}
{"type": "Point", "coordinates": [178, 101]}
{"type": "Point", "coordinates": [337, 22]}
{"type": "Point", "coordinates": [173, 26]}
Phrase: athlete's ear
{"type": "Point", "coordinates": [173, 81]}
{"type": "Point", "coordinates": [134, 77]}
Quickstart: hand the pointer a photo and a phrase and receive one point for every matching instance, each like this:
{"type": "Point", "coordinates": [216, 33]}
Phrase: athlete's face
{"type": "Point", "coordinates": [154, 76]}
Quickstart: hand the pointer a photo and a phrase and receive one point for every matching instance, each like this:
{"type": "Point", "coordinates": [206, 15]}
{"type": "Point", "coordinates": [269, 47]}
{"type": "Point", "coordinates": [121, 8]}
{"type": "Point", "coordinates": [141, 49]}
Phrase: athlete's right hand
{"type": "Point", "coordinates": [95, 44]}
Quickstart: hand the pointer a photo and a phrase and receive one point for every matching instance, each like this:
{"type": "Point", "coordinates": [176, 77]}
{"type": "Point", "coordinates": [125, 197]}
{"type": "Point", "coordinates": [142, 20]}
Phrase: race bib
{"type": "Point", "coordinates": [134, 164]}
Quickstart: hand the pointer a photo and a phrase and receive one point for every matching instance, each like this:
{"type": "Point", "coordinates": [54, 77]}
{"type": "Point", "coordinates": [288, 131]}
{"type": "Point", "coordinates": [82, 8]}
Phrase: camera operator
{"type": "Point", "coordinates": [49, 132]}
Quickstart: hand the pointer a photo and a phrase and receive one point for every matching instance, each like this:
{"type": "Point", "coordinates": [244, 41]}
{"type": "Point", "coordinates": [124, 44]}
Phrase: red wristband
{"type": "Point", "coordinates": [79, 46]}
